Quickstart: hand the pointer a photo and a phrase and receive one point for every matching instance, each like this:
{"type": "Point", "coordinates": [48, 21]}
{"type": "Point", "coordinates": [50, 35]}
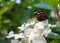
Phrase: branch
{"type": "Point", "coordinates": [57, 11]}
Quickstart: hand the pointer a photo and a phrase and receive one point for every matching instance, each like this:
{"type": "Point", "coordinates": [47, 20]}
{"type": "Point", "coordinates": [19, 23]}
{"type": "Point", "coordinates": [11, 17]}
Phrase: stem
{"type": "Point", "coordinates": [57, 11]}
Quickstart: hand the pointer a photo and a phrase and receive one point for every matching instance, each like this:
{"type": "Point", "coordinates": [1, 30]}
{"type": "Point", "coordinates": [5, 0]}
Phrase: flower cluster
{"type": "Point", "coordinates": [33, 31]}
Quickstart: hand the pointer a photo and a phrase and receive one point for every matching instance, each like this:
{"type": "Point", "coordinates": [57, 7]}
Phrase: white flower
{"type": "Point", "coordinates": [39, 25]}
{"type": "Point", "coordinates": [32, 23]}
{"type": "Point", "coordinates": [18, 1]}
{"type": "Point", "coordinates": [17, 36]}
{"type": "Point", "coordinates": [52, 25]}
{"type": "Point", "coordinates": [22, 27]}
{"type": "Point", "coordinates": [36, 37]}
{"type": "Point", "coordinates": [27, 32]}
{"type": "Point", "coordinates": [30, 37]}
{"type": "Point", "coordinates": [27, 25]}
{"type": "Point", "coordinates": [11, 34]}
{"type": "Point", "coordinates": [46, 32]}
{"type": "Point", "coordinates": [36, 33]}
{"type": "Point", "coordinates": [14, 41]}
{"type": "Point", "coordinates": [41, 40]}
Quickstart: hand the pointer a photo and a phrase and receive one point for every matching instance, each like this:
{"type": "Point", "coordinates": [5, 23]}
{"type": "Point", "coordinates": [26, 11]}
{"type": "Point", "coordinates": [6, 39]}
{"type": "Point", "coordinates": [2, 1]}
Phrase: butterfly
{"type": "Point", "coordinates": [40, 15]}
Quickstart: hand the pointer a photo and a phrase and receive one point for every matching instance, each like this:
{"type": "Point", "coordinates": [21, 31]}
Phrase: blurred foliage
{"type": "Point", "coordinates": [52, 3]}
{"type": "Point", "coordinates": [13, 13]}
{"type": "Point", "coordinates": [57, 40]}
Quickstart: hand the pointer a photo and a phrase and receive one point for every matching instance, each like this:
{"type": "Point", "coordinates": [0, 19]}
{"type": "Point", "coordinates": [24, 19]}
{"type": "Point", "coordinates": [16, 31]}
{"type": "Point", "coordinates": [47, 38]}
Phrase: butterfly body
{"type": "Point", "coordinates": [41, 16]}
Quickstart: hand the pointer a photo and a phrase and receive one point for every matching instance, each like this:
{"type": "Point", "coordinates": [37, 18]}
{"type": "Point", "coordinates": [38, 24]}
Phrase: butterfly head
{"type": "Point", "coordinates": [38, 13]}
{"type": "Point", "coordinates": [35, 12]}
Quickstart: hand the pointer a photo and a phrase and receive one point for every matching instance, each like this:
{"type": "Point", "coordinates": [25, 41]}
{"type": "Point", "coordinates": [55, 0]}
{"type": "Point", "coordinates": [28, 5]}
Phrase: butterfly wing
{"type": "Point", "coordinates": [41, 16]}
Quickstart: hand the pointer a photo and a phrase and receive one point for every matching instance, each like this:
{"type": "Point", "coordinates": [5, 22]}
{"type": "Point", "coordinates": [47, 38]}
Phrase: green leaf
{"type": "Point", "coordinates": [57, 40]}
{"type": "Point", "coordinates": [3, 41]}
{"type": "Point", "coordinates": [53, 42]}
{"type": "Point", "coordinates": [29, 2]}
{"type": "Point", "coordinates": [53, 35]}
{"type": "Point", "coordinates": [56, 30]}
{"type": "Point", "coordinates": [25, 16]}
{"type": "Point", "coordinates": [43, 5]}
{"type": "Point", "coordinates": [52, 3]}
{"type": "Point", "coordinates": [3, 10]}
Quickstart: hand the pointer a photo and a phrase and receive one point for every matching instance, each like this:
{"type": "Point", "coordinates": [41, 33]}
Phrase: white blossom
{"type": "Point", "coordinates": [52, 25]}
{"type": "Point", "coordinates": [27, 32]}
{"type": "Point", "coordinates": [18, 1]}
{"type": "Point", "coordinates": [46, 32]}
{"type": "Point", "coordinates": [22, 27]}
{"type": "Point", "coordinates": [32, 23]}
{"type": "Point", "coordinates": [10, 34]}
{"type": "Point", "coordinates": [41, 40]}
{"type": "Point", "coordinates": [27, 25]}
{"type": "Point", "coordinates": [34, 33]}
{"type": "Point", "coordinates": [39, 25]}
{"type": "Point", "coordinates": [14, 41]}
{"type": "Point", "coordinates": [17, 36]}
